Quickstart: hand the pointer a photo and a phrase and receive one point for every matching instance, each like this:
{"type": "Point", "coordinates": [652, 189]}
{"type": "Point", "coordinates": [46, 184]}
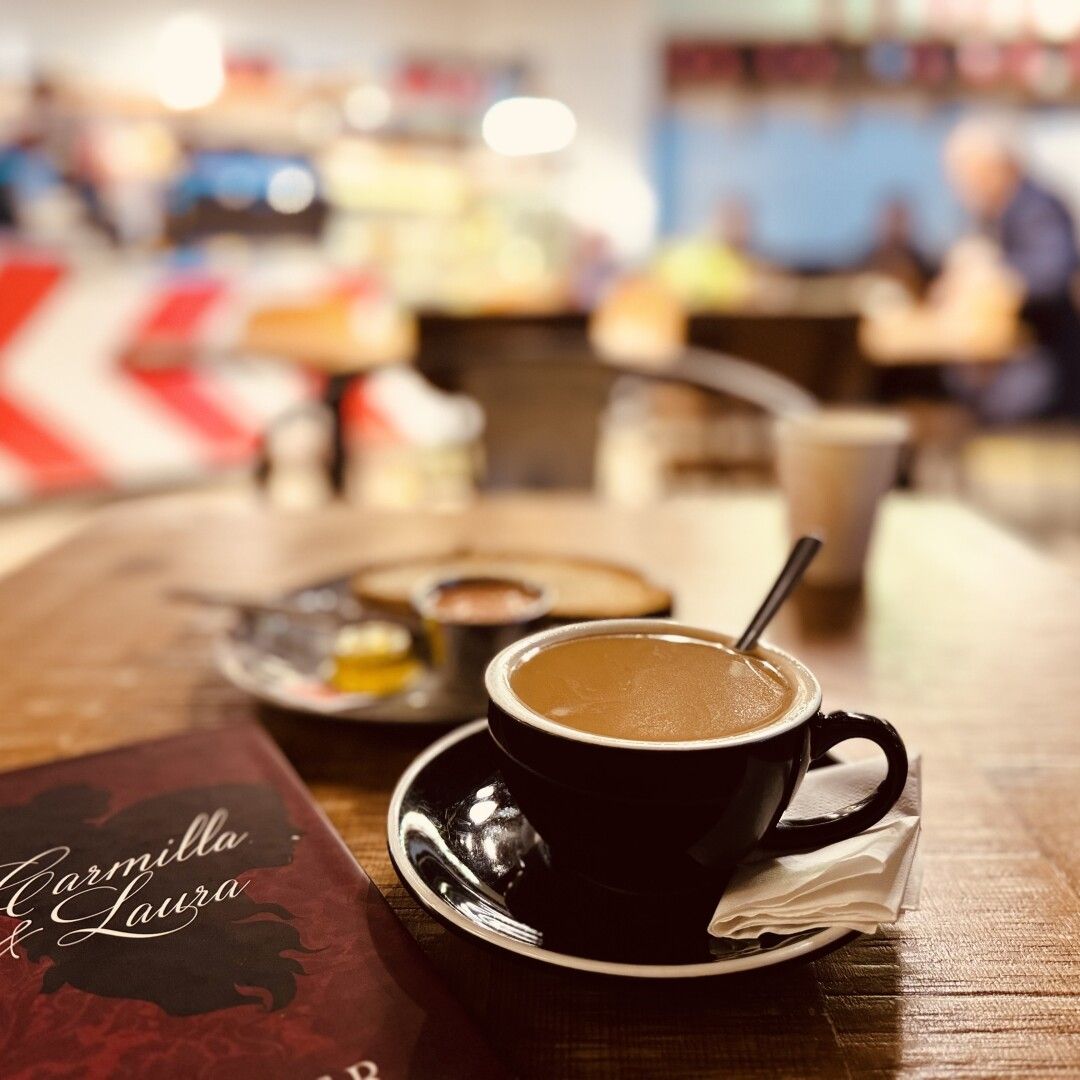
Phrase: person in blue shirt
{"type": "Point", "coordinates": [1035, 232]}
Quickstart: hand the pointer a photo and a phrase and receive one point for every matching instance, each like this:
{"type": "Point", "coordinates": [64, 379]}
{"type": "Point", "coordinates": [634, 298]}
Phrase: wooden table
{"type": "Point", "coordinates": [966, 640]}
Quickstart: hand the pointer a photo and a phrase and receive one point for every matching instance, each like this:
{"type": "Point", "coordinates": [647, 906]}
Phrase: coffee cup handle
{"type": "Point", "coordinates": [807, 834]}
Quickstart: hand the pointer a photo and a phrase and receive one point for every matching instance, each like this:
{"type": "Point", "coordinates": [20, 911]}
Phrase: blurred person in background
{"type": "Point", "coordinates": [716, 270]}
{"type": "Point", "coordinates": [10, 164]}
{"type": "Point", "coordinates": [593, 270]}
{"type": "Point", "coordinates": [894, 252]}
{"type": "Point", "coordinates": [735, 227]}
{"type": "Point", "coordinates": [30, 161]}
{"type": "Point", "coordinates": [1035, 234]}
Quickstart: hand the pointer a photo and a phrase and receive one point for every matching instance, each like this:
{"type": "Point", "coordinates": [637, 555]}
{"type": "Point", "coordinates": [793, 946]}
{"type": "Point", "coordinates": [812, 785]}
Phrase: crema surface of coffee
{"type": "Point", "coordinates": [652, 687]}
{"type": "Point", "coordinates": [482, 601]}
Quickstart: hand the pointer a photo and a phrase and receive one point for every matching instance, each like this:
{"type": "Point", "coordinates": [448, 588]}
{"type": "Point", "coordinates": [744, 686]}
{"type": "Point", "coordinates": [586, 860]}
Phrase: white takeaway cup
{"type": "Point", "coordinates": [834, 466]}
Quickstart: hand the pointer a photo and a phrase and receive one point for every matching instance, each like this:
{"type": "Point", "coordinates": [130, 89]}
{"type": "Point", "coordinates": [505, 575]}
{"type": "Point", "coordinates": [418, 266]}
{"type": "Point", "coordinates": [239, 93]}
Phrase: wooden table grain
{"type": "Point", "coordinates": [965, 639]}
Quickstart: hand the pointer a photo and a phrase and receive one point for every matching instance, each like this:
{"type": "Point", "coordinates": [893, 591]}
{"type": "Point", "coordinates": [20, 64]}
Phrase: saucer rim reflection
{"type": "Point", "coordinates": [806, 702]}
{"type": "Point", "coordinates": [818, 943]}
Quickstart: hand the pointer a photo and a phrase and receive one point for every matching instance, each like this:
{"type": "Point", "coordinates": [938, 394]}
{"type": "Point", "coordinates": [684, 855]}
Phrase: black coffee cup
{"type": "Point", "coordinates": [661, 817]}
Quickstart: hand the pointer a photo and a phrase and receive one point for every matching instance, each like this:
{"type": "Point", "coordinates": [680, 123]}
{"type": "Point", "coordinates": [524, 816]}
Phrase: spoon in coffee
{"type": "Point", "coordinates": [802, 554]}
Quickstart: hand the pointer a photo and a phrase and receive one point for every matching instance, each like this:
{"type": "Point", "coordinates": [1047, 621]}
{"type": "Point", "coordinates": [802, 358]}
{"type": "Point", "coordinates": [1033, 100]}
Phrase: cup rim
{"type": "Point", "coordinates": [892, 428]}
{"type": "Point", "coordinates": [497, 681]}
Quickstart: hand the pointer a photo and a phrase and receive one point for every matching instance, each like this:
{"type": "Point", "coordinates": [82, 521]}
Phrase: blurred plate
{"type": "Point", "coordinates": [279, 659]}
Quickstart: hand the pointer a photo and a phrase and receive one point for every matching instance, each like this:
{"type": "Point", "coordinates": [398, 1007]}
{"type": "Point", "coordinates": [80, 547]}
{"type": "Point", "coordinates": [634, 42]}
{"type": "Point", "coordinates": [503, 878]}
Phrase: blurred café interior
{"type": "Point", "coordinates": [406, 253]}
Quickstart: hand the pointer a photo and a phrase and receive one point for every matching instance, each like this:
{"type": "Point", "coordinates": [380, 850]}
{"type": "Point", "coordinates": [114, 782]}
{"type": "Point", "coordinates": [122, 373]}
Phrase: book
{"type": "Point", "coordinates": [183, 908]}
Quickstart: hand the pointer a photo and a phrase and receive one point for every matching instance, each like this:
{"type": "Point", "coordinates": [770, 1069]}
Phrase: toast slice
{"type": "Point", "coordinates": [583, 588]}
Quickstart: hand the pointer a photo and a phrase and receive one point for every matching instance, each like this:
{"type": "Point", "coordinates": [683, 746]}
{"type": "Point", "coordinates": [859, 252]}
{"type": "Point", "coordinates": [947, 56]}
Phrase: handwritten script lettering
{"type": "Point", "coordinates": [104, 900]}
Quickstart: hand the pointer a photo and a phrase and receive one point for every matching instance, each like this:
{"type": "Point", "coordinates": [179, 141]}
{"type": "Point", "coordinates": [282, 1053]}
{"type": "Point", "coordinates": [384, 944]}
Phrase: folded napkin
{"type": "Point", "coordinates": [858, 883]}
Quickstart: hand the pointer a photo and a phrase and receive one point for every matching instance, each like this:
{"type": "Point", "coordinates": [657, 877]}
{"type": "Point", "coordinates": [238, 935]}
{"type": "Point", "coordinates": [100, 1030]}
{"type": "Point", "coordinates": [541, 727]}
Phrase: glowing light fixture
{"type": "Point", "coordinates": [1055, 20]}
{"type": "Point", "coordinates": [190, 67]}
{"type": "Point", "coordinates": [520, 126]}
{"type": "Point", "coordinates": [605, 193]}
{"type": "Point", "coordinates": [291, 189]}
{"type": "Point", "coordinates": [367, 107]}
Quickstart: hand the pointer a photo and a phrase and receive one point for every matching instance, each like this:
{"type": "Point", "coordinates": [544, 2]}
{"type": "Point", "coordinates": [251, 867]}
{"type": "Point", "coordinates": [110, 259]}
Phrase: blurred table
{"type": "Point", "coordinates": [965, 639]}
{"type": "Point", "coordinates": [816, 349]}
{"type": "Point", "coordinates": [524, 370]}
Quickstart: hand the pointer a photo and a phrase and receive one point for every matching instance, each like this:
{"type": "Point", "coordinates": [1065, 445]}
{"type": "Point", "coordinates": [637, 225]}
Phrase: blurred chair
{"type": "Point", "coordinates": [558, 416]}
{"type": "Point", "coordinates": [755, 385]}
{"type": "Point", "coordinates": [701, 420]}
{"type": "Point", "coordinates": [686, 416]}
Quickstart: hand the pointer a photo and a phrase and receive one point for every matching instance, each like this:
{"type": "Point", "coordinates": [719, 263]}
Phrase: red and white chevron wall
{"type": "Point", "coordinates": [74, 415]}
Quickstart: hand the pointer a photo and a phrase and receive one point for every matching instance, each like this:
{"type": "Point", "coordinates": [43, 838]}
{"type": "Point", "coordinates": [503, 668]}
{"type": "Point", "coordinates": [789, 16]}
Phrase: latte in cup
{"type": "Point", "coordinates": [483, 601]}
{"type": "Point", "coordinates": [662, 687]}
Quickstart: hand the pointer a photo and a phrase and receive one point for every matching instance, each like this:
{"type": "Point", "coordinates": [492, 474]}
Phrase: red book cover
{"type": "Point", "coordinates": [182, 908]}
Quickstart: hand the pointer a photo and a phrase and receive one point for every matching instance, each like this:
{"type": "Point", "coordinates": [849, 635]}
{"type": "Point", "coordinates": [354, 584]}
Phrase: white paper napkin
{"type": "Point", "coordinates": [859, 883]}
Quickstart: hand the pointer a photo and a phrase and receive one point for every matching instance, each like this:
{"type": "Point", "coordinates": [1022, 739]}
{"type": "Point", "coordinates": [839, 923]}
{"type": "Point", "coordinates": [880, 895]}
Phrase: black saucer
{"type": "Point", "coordinates": [463, 849]}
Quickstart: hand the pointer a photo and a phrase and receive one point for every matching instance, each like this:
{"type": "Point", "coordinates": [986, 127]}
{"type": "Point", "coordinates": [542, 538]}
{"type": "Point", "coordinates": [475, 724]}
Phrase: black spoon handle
{"type": "Point", "coordinates": [802, 554]}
